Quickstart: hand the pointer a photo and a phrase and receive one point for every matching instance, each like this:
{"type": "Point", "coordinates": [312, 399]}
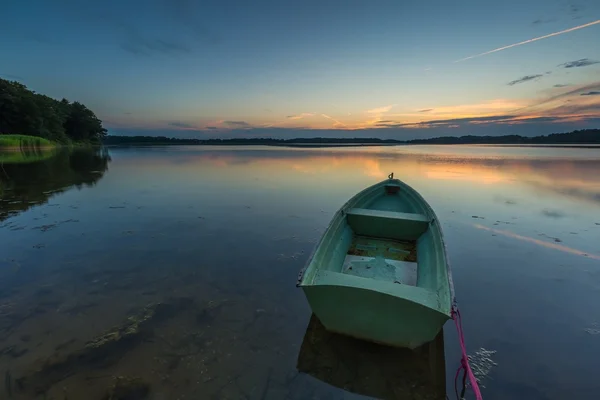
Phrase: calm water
{"type": "Point", "coordinates": [175, 269]}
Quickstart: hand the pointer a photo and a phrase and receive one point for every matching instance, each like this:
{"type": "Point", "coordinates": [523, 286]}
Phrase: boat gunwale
{"type": "Point", "coordinates": [340, 212]}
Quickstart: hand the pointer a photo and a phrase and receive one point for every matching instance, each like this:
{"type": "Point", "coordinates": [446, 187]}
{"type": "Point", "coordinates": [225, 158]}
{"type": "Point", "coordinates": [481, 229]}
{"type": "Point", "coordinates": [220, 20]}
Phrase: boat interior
{"type": "Point", "coordinates": [386, 237]}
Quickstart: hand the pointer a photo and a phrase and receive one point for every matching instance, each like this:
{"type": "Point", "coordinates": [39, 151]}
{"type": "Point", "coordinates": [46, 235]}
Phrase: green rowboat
{"type": "Point", "coordinates": [379, 272]}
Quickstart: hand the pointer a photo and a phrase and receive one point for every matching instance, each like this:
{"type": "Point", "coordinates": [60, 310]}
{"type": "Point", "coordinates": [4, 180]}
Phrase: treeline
{"type": "Point", "coordinates": [138, 140]}
{"type": "Point", "coordinates": [585, 136]}
{"type": "Point", "coordinates": [25, 112]}
{"type": "Point", "coordinates": [112, 140]}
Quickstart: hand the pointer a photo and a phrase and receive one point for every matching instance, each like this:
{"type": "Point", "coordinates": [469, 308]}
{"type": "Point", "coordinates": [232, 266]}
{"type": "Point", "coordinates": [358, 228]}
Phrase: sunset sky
{"type": "Point", "coordinates": [390, 69]}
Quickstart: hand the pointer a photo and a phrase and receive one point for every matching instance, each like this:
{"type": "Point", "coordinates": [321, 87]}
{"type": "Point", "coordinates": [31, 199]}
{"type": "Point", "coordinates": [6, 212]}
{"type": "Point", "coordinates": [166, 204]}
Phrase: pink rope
{"type": "Point", "coordinates": [465, 359]}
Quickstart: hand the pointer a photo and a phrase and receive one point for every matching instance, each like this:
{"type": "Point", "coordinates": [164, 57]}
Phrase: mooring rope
{"type": "Point", "coordinates": [464, 361]}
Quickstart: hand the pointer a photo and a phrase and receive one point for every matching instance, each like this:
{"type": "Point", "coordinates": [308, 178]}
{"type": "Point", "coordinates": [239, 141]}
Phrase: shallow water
{"type": "Point", "coordinates": [190, 255]}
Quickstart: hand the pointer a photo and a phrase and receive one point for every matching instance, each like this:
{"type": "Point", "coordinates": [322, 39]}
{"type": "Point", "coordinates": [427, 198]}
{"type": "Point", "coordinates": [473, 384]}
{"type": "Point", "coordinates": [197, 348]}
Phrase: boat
{"type": "Point", "coordinates": [380, 271]}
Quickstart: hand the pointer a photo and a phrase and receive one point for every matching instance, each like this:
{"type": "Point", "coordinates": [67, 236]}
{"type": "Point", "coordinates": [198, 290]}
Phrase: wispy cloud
{"type": "Point", "coordinates": [188, 16]}
{"type": "Point", "coordinates": [530, 40]}
{"type": "Point", "coordinates": [337, 123]}
{"type": "Point", "coordinates": [178, 124]}
{"type": "Point", "coordinates": [484, 108]}
{"type": "Point", "coordinates": [596, 93]}
{"type": "Point", "coordinates": [185, 19]}
{"type": "Point", "coordinates": [425, 110]}
{"type": "Point", "coordinates": [592, 87]}
{"type": "Point", "coordinates": [524, 79]}
{"type": "Point", "coordinates": [492, 120]}
{"type": "Point", "coordinates": [300, 116]}
{"type": "Point", "coordinates": [381, 110]}
{"type": "Point", "coordinates": [449, 121]}
{"type": "Point", "coordinates": [237, 124]}
{"type": "Point", "coordinates": [211, 127]}
{"type": "Point", "coordinates": [543, 21]}
{"type": "Point", "coordinates": [559, 85]}
{"type": "Point", "coordinates": [584, 62]}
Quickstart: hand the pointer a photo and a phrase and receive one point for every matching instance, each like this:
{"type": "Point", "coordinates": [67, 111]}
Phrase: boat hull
{"type": "Point", "coordinates": [374, 316]}
{"type": "Point", "coordinates": [379, 272]}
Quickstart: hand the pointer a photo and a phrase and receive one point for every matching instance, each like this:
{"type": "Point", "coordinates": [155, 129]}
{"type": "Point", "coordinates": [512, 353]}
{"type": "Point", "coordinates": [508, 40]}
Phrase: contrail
{"type": "Point", "coordinates": [531, 40]}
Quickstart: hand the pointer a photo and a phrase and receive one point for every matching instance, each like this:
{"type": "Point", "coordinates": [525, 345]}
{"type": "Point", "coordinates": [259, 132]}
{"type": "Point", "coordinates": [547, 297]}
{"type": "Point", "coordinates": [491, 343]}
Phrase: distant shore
{"type": "Point", "coordinates": [587, 138]}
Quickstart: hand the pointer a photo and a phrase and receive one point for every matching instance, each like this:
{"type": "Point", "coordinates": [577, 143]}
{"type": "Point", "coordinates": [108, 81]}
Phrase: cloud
{"type": "Point", "coordinates": [524, 79]}
{"type": "Point", "coordinates": [165, 27]}
{"type": "Point", "coordinates": [574, 92]}
{"type": "Point", "coordinates": [584, 62]}
{"type": "Point", "coordinates": [527, 127]}
{"type": "Point", "coordinates": [381, 110]}
{"type": "Point", "coordinates": [336, 124]}
{"type": "Point", "coordinates": [594, 93]}
{"type": "Point", "coordinates": [450, 121]}
{"type": "Point", "coordinates": [211, 127]}
{"type": "Point", "coordinates": [178, 124]}
{"type": "Point", "coordinates": [425, 110]}
{"type": "Point", "coordinates": [499, 120]}
{"type": "Point", "coordinates": [237, 124]}
{"type": "Point", "coordinates": [188, 17]}
{"type": "Point", "coordinates": [559, 85]}
{"type": "Point", "coordinates": [530, 40]}
{"type": "Point", "coordinates": [300, 116]}
{"type": "Point", "coordinates": [127, 113]}
{"type": "Point", "coordinates": [485, 108]}
{"type": "Point", "coordinates": [543, 21]}
{"type": "Point", "coordinates": [575, 8]}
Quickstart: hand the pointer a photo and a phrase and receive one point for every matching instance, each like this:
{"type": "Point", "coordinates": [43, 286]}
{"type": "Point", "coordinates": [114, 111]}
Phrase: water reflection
{"type": "Point", "coordinates": [554, 246]}
{"type": "Point", "coordinates": [571, 177]}
{"type": "Point", "coordinates": [216, 237]}
{"type": "Point", "coordinates": [26, 155]}
{"type": "Point", "coordinates": [29, 183]}
{"type": "Point", "coordinates": [372, 370]}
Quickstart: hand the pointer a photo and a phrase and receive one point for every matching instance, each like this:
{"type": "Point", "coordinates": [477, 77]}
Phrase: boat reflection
{"type": "Point", "coordinates": [373, 370]}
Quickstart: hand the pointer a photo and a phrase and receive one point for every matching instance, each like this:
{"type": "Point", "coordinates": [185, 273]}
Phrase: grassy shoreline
{"type": "Point", "coordinates": [18, 142]}
{"type": "Point", "coordinates": [28, 143]}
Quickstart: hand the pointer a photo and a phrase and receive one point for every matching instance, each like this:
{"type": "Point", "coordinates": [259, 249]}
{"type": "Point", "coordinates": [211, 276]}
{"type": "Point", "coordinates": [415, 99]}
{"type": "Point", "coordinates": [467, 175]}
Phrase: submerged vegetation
{"type": "Point", "coordinates": [25, 113]}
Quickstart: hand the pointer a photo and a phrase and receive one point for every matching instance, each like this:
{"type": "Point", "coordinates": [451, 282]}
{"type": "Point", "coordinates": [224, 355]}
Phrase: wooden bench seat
{"type": "Point", "coordinates": [387, 224]}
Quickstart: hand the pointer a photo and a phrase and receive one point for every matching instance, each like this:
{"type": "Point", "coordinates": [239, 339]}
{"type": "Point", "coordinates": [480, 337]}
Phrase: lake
{"type": "Point", "coordinates": [170, 272]}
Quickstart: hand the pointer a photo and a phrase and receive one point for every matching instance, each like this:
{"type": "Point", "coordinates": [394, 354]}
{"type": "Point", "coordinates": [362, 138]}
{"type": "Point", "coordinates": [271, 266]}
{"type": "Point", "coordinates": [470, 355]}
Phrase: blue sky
{"type": "Point", "coordinates": [389, 69]}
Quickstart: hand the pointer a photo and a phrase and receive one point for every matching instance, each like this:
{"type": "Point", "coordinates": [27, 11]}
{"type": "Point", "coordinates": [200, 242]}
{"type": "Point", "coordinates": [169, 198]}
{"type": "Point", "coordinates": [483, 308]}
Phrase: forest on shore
{"type": "Point", "coordinates": [586, 136]}
{"type": "Point", "coordinates": [26, 113]}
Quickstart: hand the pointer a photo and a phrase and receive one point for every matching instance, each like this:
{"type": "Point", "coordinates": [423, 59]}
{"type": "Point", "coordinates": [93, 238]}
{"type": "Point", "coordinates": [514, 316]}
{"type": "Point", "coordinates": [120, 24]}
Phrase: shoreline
{"type": "Point", "coordinates": [347, 145]}
{"type": "Point", "coordinates": [28, 148]}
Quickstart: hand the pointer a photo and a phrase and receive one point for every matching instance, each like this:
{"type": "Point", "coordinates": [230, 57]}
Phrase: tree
{"type": "Point", "coordinates": [82, 125]}
{"type": "Point", "coordinates": [25, 112]}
